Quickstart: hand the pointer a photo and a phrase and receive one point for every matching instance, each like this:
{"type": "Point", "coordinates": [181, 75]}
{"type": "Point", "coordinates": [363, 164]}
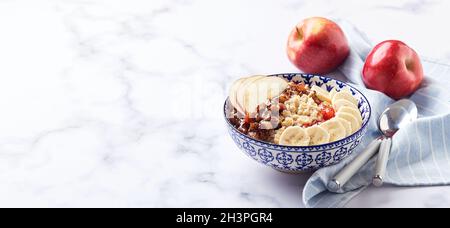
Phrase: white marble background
{"type": "Point", "coordinates": [109, 103]}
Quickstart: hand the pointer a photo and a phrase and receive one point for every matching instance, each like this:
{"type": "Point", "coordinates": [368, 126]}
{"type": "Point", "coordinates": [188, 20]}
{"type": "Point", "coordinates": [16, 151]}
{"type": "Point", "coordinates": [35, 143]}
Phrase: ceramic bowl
{"type": "Point", "coordinates": [304, 158]}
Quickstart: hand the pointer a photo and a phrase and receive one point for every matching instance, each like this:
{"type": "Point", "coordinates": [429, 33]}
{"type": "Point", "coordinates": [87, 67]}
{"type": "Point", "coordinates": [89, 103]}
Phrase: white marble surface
{"type": "Point", "coordinates": [109, 103]}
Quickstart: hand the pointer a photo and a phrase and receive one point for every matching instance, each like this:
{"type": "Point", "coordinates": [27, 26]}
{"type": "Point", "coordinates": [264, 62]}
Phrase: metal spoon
{"type": "Point", "coordinates": [397, 115]}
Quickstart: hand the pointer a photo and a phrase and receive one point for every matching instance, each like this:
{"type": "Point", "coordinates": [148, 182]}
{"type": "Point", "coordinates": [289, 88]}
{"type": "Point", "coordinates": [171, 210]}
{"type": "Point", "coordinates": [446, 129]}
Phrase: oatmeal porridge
{"type": "Point", "coordinates": [297, 115]}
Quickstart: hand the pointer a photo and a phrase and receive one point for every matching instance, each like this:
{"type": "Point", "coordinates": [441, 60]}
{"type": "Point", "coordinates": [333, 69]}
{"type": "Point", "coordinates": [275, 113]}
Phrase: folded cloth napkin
{"type": "Point", "coordinates": [420, 154]}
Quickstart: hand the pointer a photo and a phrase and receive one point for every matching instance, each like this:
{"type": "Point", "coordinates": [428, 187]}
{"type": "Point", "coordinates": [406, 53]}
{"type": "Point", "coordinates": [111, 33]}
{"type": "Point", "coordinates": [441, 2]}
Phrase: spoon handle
{"type": "Point", "coordinates": [352, 168]}
{"type": "Point", "coordinates": [382, 159]}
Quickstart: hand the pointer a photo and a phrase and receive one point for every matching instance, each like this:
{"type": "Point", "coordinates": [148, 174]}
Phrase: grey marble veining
{"type": "Point", "coordinates": [118, 103]}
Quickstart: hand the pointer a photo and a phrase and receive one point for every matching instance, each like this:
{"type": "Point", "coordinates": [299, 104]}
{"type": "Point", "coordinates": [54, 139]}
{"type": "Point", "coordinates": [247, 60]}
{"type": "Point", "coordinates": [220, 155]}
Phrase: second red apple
{"type": "Point", "coordinates": [393, 68]}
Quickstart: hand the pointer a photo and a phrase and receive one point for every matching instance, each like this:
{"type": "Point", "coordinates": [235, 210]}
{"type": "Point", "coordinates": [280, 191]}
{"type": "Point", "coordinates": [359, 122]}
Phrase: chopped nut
{"type": "Point", "coordinates": [265, 125]}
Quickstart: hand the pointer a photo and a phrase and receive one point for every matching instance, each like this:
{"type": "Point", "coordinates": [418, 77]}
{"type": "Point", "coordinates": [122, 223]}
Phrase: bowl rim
{"type": "Point", "coordinates": [304, 147]}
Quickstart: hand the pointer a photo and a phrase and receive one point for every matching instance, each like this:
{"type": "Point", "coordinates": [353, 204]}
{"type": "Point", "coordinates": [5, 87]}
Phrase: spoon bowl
{"type": "Point", "coordinates": [396, 116]}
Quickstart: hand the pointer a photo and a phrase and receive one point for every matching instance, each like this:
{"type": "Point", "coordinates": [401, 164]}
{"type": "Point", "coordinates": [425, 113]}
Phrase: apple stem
{"type": "Point", "coordinates": [409, 65]}
{"type": "Point", "coordinates": [299, 32]}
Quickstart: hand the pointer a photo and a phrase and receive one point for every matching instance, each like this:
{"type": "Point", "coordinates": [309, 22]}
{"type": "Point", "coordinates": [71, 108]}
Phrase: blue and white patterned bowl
{"type": "Point", "coordinates": [304, 158]}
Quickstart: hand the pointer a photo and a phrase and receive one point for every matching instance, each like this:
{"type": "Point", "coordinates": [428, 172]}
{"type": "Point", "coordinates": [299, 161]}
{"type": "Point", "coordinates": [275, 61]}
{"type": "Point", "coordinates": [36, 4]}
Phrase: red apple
{"type": "Point", "coordinates": [393, 68]}
{"type": "Point", "coordinates": [317, 45]}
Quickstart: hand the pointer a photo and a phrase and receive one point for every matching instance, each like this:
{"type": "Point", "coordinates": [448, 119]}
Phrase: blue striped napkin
{"type": "Point", "coordinates": [420, 153]}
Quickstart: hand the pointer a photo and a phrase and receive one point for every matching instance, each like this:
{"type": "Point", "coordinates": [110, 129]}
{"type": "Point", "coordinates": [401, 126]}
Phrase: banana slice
{"type": "Point", "coordinates": [337, 104]}
{"type": "Point", "coordinates": [322, 94]}
{"type": "Point", "coordinates": [347, 125]}
{"type": "Point", "coordinates": [332, 93]}
{"type": "Point", "coordinates": [355, 124]}
{"type": "Point", "coordinates": [317, 135]}
{"type": "Point", "coordinates": [346, 95]}
{"type": "Point", "coordinates": [352, 111]}
{"type": "Point", "coordinates": [334, 128]}
{"type": "Point", "coordinates": [294, 136]}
